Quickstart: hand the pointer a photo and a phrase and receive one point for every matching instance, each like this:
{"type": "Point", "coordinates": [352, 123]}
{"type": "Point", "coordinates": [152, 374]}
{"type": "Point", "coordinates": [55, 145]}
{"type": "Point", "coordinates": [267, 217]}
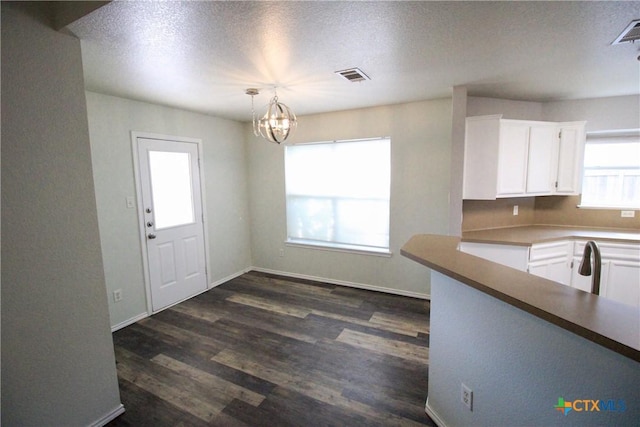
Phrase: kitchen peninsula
{"type": "Point", "coordinates": [520, 342]}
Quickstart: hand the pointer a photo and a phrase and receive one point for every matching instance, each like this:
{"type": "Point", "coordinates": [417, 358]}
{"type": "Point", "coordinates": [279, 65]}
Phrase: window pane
{"type": "Point", "coordinates": [631, 189]}
{"type": "Point", "coordinates": [363, 221]}
{"type": "Point", "coordinates": [612, 173]}
{"type": "Point", "coordinates": [310, 218]}
{"type": "Point", "coordinates": [171, 188]}
{"type": "Point", "coordinates": [339, 192]}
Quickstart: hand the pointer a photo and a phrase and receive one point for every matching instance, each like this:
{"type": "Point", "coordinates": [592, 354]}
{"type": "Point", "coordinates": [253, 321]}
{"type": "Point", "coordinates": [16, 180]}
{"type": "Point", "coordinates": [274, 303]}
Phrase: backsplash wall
{"type": "Point", "coordinates": [483, 214]}
{"type": "Point", "coordinates": [563, 210]}
{"type": "Point", "coordinates": [546, 210]}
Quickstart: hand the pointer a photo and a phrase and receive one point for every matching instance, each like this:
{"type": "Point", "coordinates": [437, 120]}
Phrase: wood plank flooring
{"type": "Point", "coordinates": [265, 350]}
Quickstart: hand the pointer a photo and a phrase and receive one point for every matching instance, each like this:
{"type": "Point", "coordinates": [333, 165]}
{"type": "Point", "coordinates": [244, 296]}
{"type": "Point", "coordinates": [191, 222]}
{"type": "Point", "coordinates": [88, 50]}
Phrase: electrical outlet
{"type": "Point", "coordinates": [117, 295]}
{"type": "Point", "coordinates": [627, 214]}
{"type": "Point", "coordinates": [131, 203]}
{"type": "Point", "coordinates": [515, 209]}
{"type": "Point", "coordinates": [281, 253]}
{"type": "Point", "coordinates": [466, 396]}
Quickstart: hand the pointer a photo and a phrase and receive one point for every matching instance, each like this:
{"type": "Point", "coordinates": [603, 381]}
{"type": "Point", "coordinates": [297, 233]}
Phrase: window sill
{"type": "Point", "coordinates": [335, 247]}
{"type": "Point", "coordinates": [611, 208]}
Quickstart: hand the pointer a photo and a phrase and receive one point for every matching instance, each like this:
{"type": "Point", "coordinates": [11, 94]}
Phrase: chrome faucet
{"type": "Point", "coordinates": [585, 265]}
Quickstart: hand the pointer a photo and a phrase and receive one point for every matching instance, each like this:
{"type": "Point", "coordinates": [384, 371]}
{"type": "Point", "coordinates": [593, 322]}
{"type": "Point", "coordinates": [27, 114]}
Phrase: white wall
{"type": "Point", "coordinates": [58, 366]}
{"type": "Point", "coordinates": [518, 110]}
{"type": "Point", "coordinates": [518, 365]}
{"type": "Point", "coordinates": [420, 160]}
{"type": "Point", "coordinates": [620, 112]}
{"type": "Point", "coordinates": [111, 120]}
{"type": "Point", "coordinates": [458, 122]}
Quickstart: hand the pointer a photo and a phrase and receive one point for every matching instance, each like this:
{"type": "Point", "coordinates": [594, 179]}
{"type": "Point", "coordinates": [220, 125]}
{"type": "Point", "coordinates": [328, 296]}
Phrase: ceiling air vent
{"type": "Point", "coordinates": [630, 34]}
{"type": "Point", "coordinates": [353, 75]}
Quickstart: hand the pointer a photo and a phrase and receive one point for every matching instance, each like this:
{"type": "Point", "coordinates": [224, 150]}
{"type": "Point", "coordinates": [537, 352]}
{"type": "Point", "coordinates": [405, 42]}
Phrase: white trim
{"type": "Point", "coordinates": [228, 278]}
{"type": "Point", "coordinates": [205, 218]}
{"type": "Point", "coordinates": [615, 133]}
{"type": "Point", "coordinates": [129, 321]}
{"type": "Point", "coordinates": [345, 283]}
{"type": "Point", "coordinates": [338, 141]}
{"type": "Point", "coordinates": [337, 247]}
{"type": "Point", "coordinates": [138, 184]}
{"type": "Point", "coordinates": [611, 208]}
{"type": "Point", "coordinates": [212, 285]}
{"type": "Point", "coordinates": [141, 232]}
{"type": "Point", "coordinates": [433, 415]}
{"type": "Point", "coordinates": [110, 416]}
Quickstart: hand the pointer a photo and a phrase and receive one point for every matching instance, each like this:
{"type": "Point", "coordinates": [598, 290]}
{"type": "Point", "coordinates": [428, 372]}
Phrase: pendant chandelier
{"type": "Point", "coordinates": [277, 123]}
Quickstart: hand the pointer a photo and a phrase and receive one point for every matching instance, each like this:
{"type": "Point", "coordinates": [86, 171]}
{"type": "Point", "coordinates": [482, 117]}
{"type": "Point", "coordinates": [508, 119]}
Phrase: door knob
{"type": "Point", "coordinates": [151, 236]}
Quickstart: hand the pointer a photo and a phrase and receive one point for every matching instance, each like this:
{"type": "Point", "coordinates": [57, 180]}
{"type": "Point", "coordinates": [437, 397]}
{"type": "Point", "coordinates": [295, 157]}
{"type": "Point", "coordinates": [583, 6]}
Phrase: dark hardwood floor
{"type": "Point", "coordinates": [265, 350]}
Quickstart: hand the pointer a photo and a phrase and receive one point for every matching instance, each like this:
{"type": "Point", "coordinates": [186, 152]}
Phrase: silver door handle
{"type": "Point", "coordinates": [151, 236]}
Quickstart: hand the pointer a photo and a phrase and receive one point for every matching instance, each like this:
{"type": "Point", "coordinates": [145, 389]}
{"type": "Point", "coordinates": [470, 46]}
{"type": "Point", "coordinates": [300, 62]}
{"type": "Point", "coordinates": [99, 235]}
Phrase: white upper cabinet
{"type": "Point", "coordinates": [515, 158]}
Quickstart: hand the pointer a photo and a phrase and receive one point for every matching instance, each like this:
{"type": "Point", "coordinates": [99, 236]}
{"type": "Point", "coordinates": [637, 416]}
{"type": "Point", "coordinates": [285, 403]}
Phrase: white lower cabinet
{"type": "Point", "coordinates": [620, 274]}
{"type": "Point", "coordinates": [510, 255]}
{"type": "Point", "coordinates": [622, 282]}
{"type": "Point", "coordinates": [560, 261]}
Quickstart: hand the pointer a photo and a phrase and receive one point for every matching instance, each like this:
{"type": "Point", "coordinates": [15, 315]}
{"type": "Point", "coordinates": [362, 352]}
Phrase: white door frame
{"type": "Point", "coordinates": [141, 218]}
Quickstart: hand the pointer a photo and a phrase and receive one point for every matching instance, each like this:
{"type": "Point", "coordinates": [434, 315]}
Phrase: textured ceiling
{"type": "Point", "coordinates": [201, 56]}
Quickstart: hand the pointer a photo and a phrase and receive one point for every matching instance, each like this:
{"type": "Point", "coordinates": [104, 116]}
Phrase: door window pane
{"type": "Point", "coordinates": [171, 188]}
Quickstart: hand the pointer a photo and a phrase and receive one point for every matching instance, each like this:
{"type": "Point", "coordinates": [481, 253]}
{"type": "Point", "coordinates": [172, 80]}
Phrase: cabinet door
{"type": "Point", "coordinates": [552, 261]}
{"type": "Point", "coordinates": [622, 282]}
{"type": "Point", "coordinates": [543, 159]}
{"type": "Point", "coordinates": [510, 255]}
{"type": "Point", "coordinates": [512, 158]}
{"type": "Point", "coordinates": [570, 158]}
{"type": "Point", "coordinates": [557, 269]}
{"type": "Point", "coordinates": [584, 282]}
{"type": "Point", "coordinates": [481, 157]}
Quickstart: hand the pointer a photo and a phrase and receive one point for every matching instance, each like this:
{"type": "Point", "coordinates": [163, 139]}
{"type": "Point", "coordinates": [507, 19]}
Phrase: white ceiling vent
{"type": "Point", "coordinates": [630, 34]}
{"type": "Point", "coordinates": [353, 75]}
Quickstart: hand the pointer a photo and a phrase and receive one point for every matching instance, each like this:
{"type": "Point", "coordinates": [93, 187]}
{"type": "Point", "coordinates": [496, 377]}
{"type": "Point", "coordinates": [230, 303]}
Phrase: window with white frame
{"type": "Point", "coordinates": [612, 170]}
{"type": "Point", "coordinates": [337, 194]}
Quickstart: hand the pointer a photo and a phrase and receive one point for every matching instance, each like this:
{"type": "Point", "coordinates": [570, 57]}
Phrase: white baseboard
{"type": "Point", "coordinates": [128, 322]}
{"type": "Point", "coordinates": [219, 282]}
{"type": "Point", "coordinates": [345, 283]}
{"type": "Point", "coordinates": [229, 277]}
{"type": "Point", "coordinates": [141, 316]}
{"type": "Point", "coordinates": [110, 416]}
{"type": "Point", "coordinates": [433, 415]}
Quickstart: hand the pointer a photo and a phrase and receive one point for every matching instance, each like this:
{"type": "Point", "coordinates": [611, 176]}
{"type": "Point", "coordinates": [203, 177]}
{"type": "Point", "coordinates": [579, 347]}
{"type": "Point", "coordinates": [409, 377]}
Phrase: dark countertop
{"type": "Point", "coordinates": [530, 234]}
{"type": "Point", "coordinates": [605, 322]}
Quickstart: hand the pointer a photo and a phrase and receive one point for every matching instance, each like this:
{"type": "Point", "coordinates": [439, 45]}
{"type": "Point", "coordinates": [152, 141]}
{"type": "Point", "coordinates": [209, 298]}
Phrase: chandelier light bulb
{"type": "Point", "coordinates": [277, 123]}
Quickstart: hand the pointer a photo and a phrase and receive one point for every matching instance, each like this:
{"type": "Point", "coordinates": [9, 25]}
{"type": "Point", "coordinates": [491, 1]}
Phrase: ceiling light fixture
{"type": "Point", "coordinates": [277, 123]}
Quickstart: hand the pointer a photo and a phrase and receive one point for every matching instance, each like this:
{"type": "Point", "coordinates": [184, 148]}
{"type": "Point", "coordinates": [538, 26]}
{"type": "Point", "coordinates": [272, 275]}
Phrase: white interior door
{"type": "Point", "coordinates": [173, 221]}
